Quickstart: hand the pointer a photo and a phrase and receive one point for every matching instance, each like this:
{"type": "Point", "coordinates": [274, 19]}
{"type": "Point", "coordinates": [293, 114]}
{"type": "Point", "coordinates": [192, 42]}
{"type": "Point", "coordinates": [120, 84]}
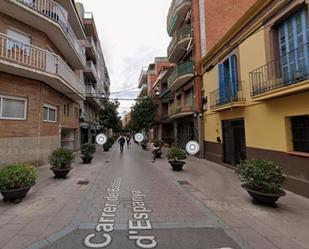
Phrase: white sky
{"type": "Point", "coordinates": [132, 33]}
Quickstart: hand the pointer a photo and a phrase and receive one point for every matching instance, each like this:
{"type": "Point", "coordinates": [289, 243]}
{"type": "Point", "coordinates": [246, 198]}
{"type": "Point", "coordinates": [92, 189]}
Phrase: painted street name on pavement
{"type": "Point", "coordinates": [107, 218]}
{"type": "Point", "coordinates": [140, 222]}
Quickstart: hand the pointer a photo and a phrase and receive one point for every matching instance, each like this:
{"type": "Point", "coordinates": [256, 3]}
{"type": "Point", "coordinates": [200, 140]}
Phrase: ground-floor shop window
{"type": "Point", "coordinates": [13, 108]}
{"type": "Point", "coordinates": [300, 133]}
{"type": "Point", "coordinates": [50, 113]}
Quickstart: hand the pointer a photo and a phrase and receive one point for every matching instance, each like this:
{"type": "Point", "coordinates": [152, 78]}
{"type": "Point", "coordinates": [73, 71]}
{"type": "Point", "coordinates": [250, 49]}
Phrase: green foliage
{"type": "Point", "coordinates": [109, 143]}
{"type": "Point", "coordinates": [158, 143]}
{"type": "Point", "coordinates": [144, 142]}
{"type": "Point", "coordinates": [16, 176]}
{"type": "Point", "coordinates": [109, 115]}
{"type": "Point", "coordinates": [176, 154]}
{"type": "Point", "coordinates": [61, 158]}
{"type": "Point", "coordinates": [143, 114]}
{"type": "Point", "coordinates": [88, 150]}
{"type": "Point", "coordinates": [262, 175]}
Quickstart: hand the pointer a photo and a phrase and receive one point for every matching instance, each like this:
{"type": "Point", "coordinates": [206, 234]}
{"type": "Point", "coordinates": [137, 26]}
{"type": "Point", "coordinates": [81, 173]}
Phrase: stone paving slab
{"type": "Point", "coordinates": [187, 238]}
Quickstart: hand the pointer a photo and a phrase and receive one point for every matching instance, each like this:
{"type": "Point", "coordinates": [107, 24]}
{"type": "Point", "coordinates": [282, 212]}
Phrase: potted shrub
{"type": "Point", "coordinates": [16, 180]}
{"type": "Point", "coordinates": [158, 143]}
{"type": "Point", "coordinates": [175, 157]}
{"type": "Point", "coordinates": [87, 151]}
{"type": "Point", "coordinates": [144, 144]}
{"type": "Point", "coordinates": [263, 180]}
{"type": "Point", "coordinates": [60, 162]}
{"type": "Point", "coordinates": [109, 143]}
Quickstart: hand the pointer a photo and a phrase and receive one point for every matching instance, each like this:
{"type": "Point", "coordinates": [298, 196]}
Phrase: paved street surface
{"type": "Point", "coordinates": [129, 202]}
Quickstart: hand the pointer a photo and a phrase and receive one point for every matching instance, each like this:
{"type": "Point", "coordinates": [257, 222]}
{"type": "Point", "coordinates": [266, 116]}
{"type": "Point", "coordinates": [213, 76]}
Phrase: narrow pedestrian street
{"type": "Point", "coordinates": [127, 201]}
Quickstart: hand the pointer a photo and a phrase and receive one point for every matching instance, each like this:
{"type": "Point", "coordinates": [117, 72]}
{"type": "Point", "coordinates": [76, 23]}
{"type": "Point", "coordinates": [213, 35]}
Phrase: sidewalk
{"type": "Point", "coordinates": [218, 188]}
{"type": "Point", "coordinates": [49, 206]}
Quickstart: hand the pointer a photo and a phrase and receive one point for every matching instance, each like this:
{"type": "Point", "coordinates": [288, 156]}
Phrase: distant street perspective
{"type": "Point", "coordinates": [168, 124]}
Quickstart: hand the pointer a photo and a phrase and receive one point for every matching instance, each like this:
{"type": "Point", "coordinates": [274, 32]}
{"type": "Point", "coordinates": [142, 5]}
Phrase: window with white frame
{"type": "Point", "coordinates": [50, 113]}
{"type": "Point", "coordinates": [13, 108]}
{"type": "Point", "coordinates": [18, 40]}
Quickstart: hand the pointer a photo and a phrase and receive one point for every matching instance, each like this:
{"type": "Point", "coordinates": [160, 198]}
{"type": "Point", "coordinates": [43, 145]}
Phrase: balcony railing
{"type": "Point", "coordinates": [55, 12]}
{"type": "Point", "coordinates": [171, 13]}
{"type": "Point", "coordinates": [186, 32]}
{"type": "Point", "coordinates": [15, 51]}
{"type": "Point", "coordinates": [180, 70]}
{"type": "Point", "coordinates": [92, 43]}
{"type": "Point", "coordinates": [289, 69]}
{"type": "Point", "coordinates": [227, 95]}
{"type": "Point", "coordinates": [91, 67]}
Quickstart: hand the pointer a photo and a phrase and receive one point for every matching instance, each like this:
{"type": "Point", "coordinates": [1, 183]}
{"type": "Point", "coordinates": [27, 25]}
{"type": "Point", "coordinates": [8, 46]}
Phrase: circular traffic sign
{"type": "Point", "coordinates": [192, 148]}
{"type": "Point", "coordinates": [101, 139]}
{"type": "Point", "coordinates": [139, 137]}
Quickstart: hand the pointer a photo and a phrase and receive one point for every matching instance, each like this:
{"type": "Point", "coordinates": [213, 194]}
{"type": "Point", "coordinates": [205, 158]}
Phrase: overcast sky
{"type": "Point", "coordinates": [132, 33]}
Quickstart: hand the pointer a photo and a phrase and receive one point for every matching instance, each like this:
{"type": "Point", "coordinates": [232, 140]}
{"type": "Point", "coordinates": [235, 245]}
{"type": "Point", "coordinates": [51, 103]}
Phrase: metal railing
{"type": "Point", "coordinates": [91, 67]}
{"type": "Point", "coordinates": [229, 94]}
{"type": "Point", "coordinates": [185, 32]}
{"type": "Point", "coordinates": [289, 69]}
{"type": "Point", "coordinates": [171, 12]}
{"type": "Point", "coordinates": [15, 51]}
{"type": "Point", "coordinates": [55, 12]}
{"type": "Point", "coordinates": [92, 43]}
{"type": "Point", "coordinates": [180, 70]}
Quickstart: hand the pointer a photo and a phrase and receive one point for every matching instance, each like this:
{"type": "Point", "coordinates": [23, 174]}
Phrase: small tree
{"type": "Point", "coordinates": [143, 114]}
{"type": "Point", "coordinates": [109, 115]}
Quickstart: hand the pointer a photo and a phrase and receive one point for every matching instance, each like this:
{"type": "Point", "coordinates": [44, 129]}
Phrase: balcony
{"type": "Point", "coordinates": [52, 19]}
{"type": "Point", "coordinates": [28, 61]}
{"type": "Point", "coordinates": [91, 48]}
{"type": "Point", "coordinates": [179, 43]}
{"type": "Point", "coordinates": [91, 72]}
{"type": "Point", "coordinates": [166, 96]}
{"type": "Point", "coordinates": [227, 97]}
{"type": "Point", "coordinates": [286, 75]}
{"type": "Point", "coordinates": [181, 111]}
{"type": "Point", "coordinates": [181, 75]}
{"type": "Point", "coordinates": [176, 14]}
{"type": "Point", "coordinates": [93, 96]}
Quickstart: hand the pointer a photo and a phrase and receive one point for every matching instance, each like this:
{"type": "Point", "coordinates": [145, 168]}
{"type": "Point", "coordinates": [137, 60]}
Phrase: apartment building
{"type": "Point", "coordinates": [163, 127]}
{"type": "Point", "coordinates": [95, 77]}
{"type": "Point", "coordinates": [256, 81]}
{"type": "Point", "coordinates": [42, 65]}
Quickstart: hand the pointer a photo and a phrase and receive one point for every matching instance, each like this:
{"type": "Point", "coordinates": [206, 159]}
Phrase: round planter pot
{"type": "Point", "coordinates": [144, 147]}
{"type": "Point", "coordinates": [86, 160]}
{"type": "Point", "coordinates": [262, 198]}
{"type": "Point", "coordinates": [15, 194]}
{"type": "Point", "coordinates": [177, 165]}
{"type": "Point", "coordinates": [106, 149]}
{"type": "Point", "coordinates": [61, 173]}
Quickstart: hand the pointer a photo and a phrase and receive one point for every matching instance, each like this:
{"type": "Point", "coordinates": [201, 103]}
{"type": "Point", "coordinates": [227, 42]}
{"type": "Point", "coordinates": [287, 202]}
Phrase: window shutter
{"type": "Point", "coordinates": [233, 76]}
{"type": "Point", "coordinates": [221, 83]}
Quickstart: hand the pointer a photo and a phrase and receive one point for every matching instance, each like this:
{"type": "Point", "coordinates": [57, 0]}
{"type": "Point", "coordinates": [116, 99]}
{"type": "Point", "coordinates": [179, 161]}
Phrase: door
{"type": "Point", "coordinates": [234, 141]}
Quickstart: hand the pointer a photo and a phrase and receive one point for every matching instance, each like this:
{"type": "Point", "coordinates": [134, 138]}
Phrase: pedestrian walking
{"type": "Point", "coordinates": [154, 149]}
{"type": "Point", "coordinates": [121, 142]}
{"type": "Point", "coordinates": [128, 138]}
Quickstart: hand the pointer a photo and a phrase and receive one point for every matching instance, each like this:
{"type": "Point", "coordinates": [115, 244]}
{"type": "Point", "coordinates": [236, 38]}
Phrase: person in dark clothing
{"type": "Point", "coordinates": [121, 142]}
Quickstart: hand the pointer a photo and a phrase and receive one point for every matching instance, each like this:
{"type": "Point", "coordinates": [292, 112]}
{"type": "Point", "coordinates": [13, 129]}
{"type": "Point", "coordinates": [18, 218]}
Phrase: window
{"type": "Point", "coordinates": [13, 108]}
{"type": "Point", "coordinates": [66, 110]}
{"type": "Point", "coordinates": [300, 133]}
{"type": "Point", "coordinates": [293, 37]}
{"type": "Point", "coordinates": [50, 113]}
{"type": "Point", "coordinates": [228, 80]}
{"type": "Point", "coordinates": [19, 41]}
{"type": "Point", "coordinates": [189, 97]}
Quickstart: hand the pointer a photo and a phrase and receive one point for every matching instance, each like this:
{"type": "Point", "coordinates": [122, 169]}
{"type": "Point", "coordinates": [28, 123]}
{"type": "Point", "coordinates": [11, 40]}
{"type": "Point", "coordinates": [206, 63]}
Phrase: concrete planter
{"type": "Point", "coordinates": [87, 160]}
{"type": "Point", "coordinates": [14, 195]}
{"type": "Point", "coordinates": [61, 173]}
{"type": "Point", "coordinates": [263, 198]}
{"type": "Point", "coordinates": [177, 165]}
